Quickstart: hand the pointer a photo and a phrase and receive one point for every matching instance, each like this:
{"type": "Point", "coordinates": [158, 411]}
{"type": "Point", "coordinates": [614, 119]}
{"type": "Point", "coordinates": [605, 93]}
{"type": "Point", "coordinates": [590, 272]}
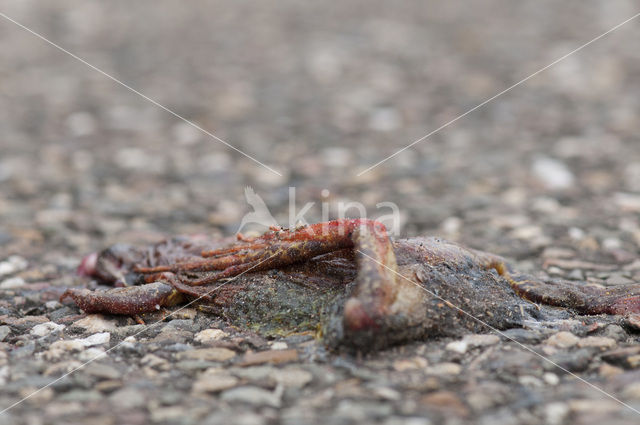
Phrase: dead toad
{"type": "Point", "coordinates": [345, 279]}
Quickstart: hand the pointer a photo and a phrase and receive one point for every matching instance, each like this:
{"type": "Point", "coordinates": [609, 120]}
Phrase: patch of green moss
{"type": "Point", "coordinates": [278, 307]}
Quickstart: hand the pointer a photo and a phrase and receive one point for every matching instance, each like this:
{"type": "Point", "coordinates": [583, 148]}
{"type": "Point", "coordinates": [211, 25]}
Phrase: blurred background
{"type": "Point", "coordinates": [319, 92]}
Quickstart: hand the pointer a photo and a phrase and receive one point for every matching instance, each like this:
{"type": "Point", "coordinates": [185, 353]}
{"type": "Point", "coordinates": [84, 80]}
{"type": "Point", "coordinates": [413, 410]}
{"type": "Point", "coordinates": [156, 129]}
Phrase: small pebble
{"type": "Point", "coordinates": [279, 345]}
{"type": "Point", "coordinates": [576, 274]}
{"type": "Point", "coordinates": [4, 374]}
{"type": "Point", "coordinates": [213, 381]}
{"type": "Point", "coordinates": [451, 225]}
{"type": "Point", "coordinates": [386, 393]}
{"type": "Point", "coordinates": [611, 243]}
{"type": "Point", "coordinates": [597, 341]}
{"type": "Point", "coordinates": [254, 373]}
{"type": "Point", "coordinates": [43, 329]}
{"type": "Point", "coordinates": [551, 378]}
{"type": "Point", "coordinates": [576, 233]}
{"type": "Point", "coordinates": [102, 371]}
{"type": "Point", "coordinates": [447, 401]}
{"type": "Point", "coordinates": [209, 335]}
{"type": "Point", "coordinates": [13, 264]}
{"type": "Point", "coordinates": [556, 413]}
{"type": "Point", "coordinates": [156, 362]}
{"type": "Point", "coordinates": [413, 363]}
{"type": "Point", "coordinates": [555, 271]}
{"type": "Point", "coordinates": [616, 332]}
{"type": "Point", "coordinates": [552, 173]}
{"type": "Point", "coordinates": [481, 340]}
{"type": "Point", "coordinates": [444, 369]}
{"type": "Point", "coordinates": [253, 395]}
{"type": "Point", "coordinates": [95, 323]}
{"type": "Point", "coordinates": [128, 398]}
{"type": "Point", "coordinates": [96, 339]}
{"type": "Point", "coordinates": [563, 339]}
{"type": "Point", "coordinates": [214, 354]}
{"type": "Point", "coordinates": [12, 282]}
{"type": "Point", "coordinates": [82, 396]}
{"type": "Point", "coordinates": [269, 356]}
{"type": "Point", "coordinates": [91, 353]}
{"type": "Point", "coordinates": [52, 305]}
{"type": "Point", "coordinates": [530, 381]}
{"type": "Point", "coordinates": [4, 331]}
{"type": "Point", "coordinates": [59, 348]}
{"type": "Point", "coordinates": [607, 371]}
{"type": "Point", "coordinates": [292, 377]}
{"type": "Point", "coordinates": [458, 346]}
{"type": "Point", "coordinates": [618, 279]}
{"type": "Point", "coordinates": [627, 201]}
{"type": "Point", "coordinates": [556, 252]}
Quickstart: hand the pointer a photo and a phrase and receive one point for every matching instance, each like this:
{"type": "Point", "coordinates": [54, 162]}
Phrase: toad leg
{"type": "Point", "coordinates": [585, 299]}
{"type": "Point", "coordinates": [130, 300]}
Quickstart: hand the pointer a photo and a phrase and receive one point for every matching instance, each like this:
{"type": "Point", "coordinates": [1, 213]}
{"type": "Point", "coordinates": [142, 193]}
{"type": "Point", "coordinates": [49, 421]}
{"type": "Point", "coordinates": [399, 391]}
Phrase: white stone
{"type": "Point", "coordinates": [46, 328]}
{"type": "Point", "coordinates": [209, 335]}
{"type": "Point", "coordinates": [458, 346]}
{"type": "Point", "coordinates": [530, 381]}
{"type": "Point", "coordinates": [556, 413]}
{"type": "Point", "coordinates": [279, 345]}
{"type": "Point", "coordinates": [611, 243]}
{"type": "Point", "coordinates": [451, 225]}
{"type": "Point", "coordinates": [52, 305]}
{"type": "Point", "coordinates": [551, 378]}
{"type": "Point", "coordinates": [552, 173]}
{"type": "Point", "coordinates": [576, 233]}
{"type": "Point", "coordinates": [95, 323]}
{"type": "Point", "coordinates": [12, 264]}
{"type": "Point", "coordinates": [12, 282]}
{"type": "Point", "coordinates": [95, 339]}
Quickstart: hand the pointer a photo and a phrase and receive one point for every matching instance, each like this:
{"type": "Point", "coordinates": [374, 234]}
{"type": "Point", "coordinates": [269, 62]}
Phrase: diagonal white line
{"type": "Point", "coordinates": [135, 334]}
{"type": "Point", "coordinates": [443, 126]}
{"type": "Point", "coordinates": [450, 304]}
{"type": "Point", "coordinates": [145, 97]}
